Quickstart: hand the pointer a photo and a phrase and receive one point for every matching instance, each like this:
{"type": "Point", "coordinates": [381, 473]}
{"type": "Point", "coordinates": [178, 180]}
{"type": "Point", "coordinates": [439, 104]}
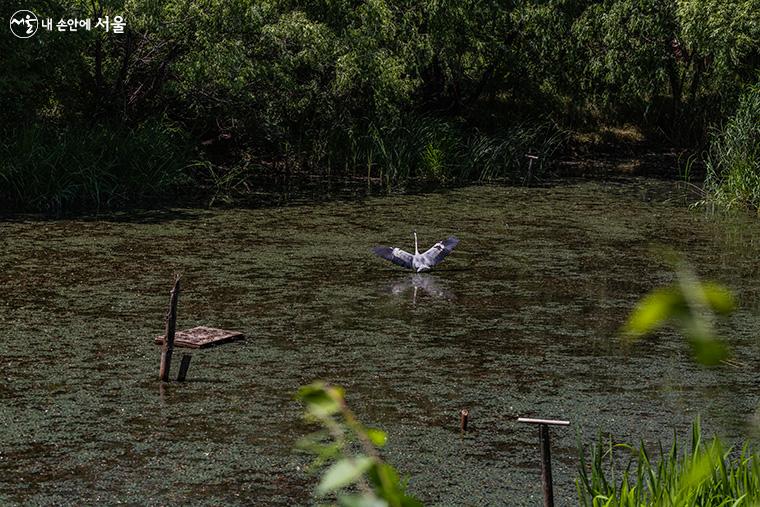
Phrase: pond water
{"type": "Point", "coordinates": [520, 320]}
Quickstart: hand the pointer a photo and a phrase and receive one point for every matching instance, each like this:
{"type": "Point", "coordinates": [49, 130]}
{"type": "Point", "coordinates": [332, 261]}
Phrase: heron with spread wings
{"type": "Point", "coordinates": [418, 261]}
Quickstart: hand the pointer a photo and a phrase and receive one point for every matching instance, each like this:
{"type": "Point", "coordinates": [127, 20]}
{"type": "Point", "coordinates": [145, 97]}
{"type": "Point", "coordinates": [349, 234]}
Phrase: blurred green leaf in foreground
{"type": "Point", "coordinates": [692, 306]}
{"type": "Point", "coordinates": [356, 474]}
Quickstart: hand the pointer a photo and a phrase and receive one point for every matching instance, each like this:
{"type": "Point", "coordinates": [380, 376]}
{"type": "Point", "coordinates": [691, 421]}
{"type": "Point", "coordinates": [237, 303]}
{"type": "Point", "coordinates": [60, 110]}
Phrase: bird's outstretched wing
{"type": "Point", "coordinates": [395, 255]}
{"type": "Point", "coordinates": [439, 251]}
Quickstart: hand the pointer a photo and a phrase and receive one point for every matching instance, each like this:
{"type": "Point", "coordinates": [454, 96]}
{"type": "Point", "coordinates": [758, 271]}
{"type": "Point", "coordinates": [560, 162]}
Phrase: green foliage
{"type": "Point", "coordinates": [723, 39]}
{"type": "Point", "coordinates": [692, 306]}
{"type": "Point", "coordinates": [93, 167]}
{"type": "Point", "coordinates": [429, 149]}
{"type": "Point", "coordinates": [356, 474]}
{"type": "Point", "coordinates": [733, 164]}
{"type": "Point", "coordinates": [672, 66]}
{"type": "Point", "coordinates": [704, 475]}
{"type": "Point", "coordinates": [436, 91]}
{"type": "Point", "coordinates": [625, 45]}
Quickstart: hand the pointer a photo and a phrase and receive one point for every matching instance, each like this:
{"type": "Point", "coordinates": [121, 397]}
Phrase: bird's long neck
{"type": "Point", "coordinates": [416, 250]}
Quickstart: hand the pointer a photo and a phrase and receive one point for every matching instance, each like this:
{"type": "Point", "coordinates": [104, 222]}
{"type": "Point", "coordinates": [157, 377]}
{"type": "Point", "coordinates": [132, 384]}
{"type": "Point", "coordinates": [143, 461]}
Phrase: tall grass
{"type": "Point", "coordinates": [733, 162]}
{"type": "Point", "coordinates": [429, 149]}
{"type": "Point", "coordinates": [90, 167]}
{"type": "Point", "coordinates": [705, 475]}
{"type": "Point", "coordinates": [108, 166]}
{"type": "Point", "coordinates": [416, 150]}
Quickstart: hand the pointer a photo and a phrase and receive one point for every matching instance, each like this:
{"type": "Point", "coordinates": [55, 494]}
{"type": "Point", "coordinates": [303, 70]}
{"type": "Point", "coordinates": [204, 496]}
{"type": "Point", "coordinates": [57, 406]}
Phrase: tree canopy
{"type": "Point", "coordinates": [308, 80]}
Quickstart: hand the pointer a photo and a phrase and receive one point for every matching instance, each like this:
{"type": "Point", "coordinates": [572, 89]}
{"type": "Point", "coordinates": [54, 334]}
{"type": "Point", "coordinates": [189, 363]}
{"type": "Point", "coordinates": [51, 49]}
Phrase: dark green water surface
{"type": "Point", "coordinates": [519, 321]}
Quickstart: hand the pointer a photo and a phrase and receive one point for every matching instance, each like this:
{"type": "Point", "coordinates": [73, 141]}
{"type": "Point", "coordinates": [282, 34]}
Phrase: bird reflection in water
{"type": "Point", "coordinates": [419, 284]}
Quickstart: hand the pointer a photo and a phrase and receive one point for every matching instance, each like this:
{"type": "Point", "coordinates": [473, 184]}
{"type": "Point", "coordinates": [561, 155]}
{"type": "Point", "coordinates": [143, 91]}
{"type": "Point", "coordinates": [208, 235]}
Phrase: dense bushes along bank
{"type": "Point", "coordinates": [443, 90]}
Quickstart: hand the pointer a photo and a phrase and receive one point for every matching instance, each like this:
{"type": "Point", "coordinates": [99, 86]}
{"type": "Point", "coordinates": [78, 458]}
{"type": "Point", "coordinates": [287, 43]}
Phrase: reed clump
{"type": "Point", "coordinates": [733, 161]}
{"type": "Point", "coordinates": [705, 474]}
{"type": "Point", "coordinates": [93, 167]}
{"type": "Point", "coordinates": [431, 149]}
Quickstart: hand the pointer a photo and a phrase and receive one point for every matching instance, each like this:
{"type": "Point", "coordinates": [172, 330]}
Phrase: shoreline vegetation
{"type": "Point", "coordinates": [204, 101]}
{"type": "Point", "coordinates": [39, 176]}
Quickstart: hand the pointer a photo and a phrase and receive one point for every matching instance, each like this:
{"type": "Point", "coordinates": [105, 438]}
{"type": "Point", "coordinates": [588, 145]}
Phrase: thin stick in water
{"type": "Point", "coordinates": [171, 327]}
{"type": "Point", "coordinates": [183, 367]}
{"type": "Point", "coordinates": [464, 417]}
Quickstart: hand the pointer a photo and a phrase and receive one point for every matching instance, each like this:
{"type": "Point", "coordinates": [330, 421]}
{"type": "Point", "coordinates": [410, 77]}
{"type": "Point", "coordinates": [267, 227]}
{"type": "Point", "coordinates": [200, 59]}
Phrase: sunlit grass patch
{"type": "Point", "coordinates": [705, 474]}
{"type": "Point", "coordinates": [733, 163]}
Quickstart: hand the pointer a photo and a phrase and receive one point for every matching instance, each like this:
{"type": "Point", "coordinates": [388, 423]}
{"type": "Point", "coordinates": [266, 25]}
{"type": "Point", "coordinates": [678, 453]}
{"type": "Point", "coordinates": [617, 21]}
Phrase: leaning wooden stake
{"type": "Point", "coordinates": [183, 366]}
{"type": "Point", "coordinates": [546, 456]}
{"type": "Point", "coordinates": [171, 327]}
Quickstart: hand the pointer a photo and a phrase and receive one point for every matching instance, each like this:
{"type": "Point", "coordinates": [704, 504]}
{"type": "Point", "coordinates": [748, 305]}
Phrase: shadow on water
{"type": "Point", "coordinates": [269, 194]}
{"type": "Point", "coordinates": [522, 321]}
{"type": "Point", "coordinates": [276, 191]}
{"type": "Point", "coordinates": [134, 216]}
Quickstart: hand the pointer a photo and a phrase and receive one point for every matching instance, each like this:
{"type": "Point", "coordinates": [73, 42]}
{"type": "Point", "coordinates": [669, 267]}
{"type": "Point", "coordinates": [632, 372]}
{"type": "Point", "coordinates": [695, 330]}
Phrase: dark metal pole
{"type": "Point", "coordinates": [546, 454]}
{"type": "Point", "coordinates": [546, 465]}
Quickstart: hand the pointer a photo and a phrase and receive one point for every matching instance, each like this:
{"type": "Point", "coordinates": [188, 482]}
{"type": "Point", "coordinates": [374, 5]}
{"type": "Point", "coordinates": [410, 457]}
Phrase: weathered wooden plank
{"type": "Point", "coordinates": [201, 337]}
{"type": "Point", "coordinates": [552, 422]}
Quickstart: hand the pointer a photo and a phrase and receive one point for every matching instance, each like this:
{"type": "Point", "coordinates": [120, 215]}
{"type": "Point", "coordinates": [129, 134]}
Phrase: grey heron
{"type": "Point", "coordinates": [419, 261]}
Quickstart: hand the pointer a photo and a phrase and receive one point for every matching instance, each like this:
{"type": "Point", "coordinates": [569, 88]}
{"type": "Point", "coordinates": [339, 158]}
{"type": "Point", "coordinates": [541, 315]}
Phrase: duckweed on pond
{"type": "Point", "coordinates": [521, 320]}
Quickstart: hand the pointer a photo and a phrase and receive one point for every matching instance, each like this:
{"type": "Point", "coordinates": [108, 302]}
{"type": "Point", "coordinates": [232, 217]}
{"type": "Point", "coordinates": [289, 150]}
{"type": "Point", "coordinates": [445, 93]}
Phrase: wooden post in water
{"type": "Point", "coordinates": [171, 327]}
{"type": "Point", "coordinates": [183, 366]}
{"type": "Point", "coordinates": [546, 464]}
{"type": "Point", "coordinates": [531, 158]}
{"type": "Point", "coordinates": [464, 416]}
{"type": "Point", "coordinates": [546, 454]}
